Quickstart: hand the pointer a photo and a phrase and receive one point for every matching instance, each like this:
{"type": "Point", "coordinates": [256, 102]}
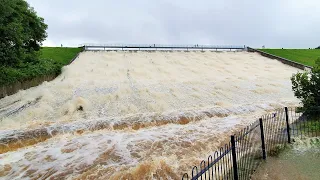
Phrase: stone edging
{"type": "Point", "coordinates": [283, 60]}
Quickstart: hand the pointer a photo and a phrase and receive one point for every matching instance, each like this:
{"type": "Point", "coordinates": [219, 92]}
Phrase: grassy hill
{"type": "Point", "coordinates": [58, 54]}
{"type": "Point", "coordinates": [52, 59]}
{"type": "Point", "coordinates": [303, 56]}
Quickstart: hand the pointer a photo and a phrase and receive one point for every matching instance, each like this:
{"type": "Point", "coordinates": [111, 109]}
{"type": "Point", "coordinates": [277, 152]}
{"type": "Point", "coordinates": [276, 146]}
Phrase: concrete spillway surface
{"type": "Point", "coordinates": [136, 114]}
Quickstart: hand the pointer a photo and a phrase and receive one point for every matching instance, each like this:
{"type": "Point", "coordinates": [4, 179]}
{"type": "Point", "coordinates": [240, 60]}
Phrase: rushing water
{"type": "Point", "coordinates": [300, 162]}
{"type": "Point", "coordinates": [126, 115]}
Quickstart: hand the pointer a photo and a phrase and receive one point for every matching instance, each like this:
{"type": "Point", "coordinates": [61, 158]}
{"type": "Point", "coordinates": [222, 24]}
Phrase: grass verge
{"type": "Point", "coordinates": [52, 59]}
{"type": "Point", "coordinates": [303, 56]}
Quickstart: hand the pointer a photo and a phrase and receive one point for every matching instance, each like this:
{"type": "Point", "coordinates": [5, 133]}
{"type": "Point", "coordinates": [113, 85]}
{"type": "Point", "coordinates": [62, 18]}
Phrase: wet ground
{"type": "Point", "coordinates": [301, 161]}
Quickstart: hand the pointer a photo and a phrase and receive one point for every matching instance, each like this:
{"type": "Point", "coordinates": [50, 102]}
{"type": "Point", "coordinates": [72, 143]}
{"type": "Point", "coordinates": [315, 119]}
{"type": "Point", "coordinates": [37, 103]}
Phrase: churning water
{"type": "Point", "coordinates": [135, 115]}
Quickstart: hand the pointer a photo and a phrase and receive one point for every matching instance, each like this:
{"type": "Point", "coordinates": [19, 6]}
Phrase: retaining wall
{"type": "Point", "coordinates": [281, 59]}
{"type": "Point", "coordinates": [15, 87]}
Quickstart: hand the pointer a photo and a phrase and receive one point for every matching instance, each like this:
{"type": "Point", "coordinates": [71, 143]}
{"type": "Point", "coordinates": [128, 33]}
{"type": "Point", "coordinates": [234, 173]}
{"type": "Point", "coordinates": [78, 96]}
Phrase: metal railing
{"type": "Point", "coordinates": [159, 46]}
{"type": "Point", "coordinates": [246, 149]}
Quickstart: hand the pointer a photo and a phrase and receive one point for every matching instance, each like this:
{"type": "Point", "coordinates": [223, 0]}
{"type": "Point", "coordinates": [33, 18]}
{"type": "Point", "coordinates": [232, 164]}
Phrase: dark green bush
{"type": "Point", "coordinates": [306, 87]}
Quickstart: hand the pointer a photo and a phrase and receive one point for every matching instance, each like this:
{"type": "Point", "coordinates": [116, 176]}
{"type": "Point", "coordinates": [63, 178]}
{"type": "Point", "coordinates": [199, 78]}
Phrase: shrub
{"type": "Point", "coordinates": [306, 87]}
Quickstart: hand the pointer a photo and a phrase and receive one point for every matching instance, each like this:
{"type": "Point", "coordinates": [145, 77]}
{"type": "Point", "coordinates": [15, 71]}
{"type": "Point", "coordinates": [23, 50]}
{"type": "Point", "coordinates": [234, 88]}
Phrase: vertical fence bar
{"type": "Point", "coordinates": [288, 126]}
{"type": "Point", "coordinates": [209, 162]}
{"type": "Point", "coordinates": [283, 138]}
{"type": "Point", "coordinates": [216, 172]}
{"type": "Point", "coordinates": [234, 158]}
{"type": "Point", "coordinates": [238, 152]}
{"type": "Point", "coordinates": [248, 161]}
{"type": "Point", "coordinates": [230, 161]}
{"type": "Point", "coordinates": [263, 145]}
{"type": "Point", "coordinates": [300, 124]}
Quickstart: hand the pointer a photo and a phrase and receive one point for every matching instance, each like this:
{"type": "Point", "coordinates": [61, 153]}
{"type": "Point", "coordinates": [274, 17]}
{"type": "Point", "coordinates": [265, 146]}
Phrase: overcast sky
{"type": "Point", "coordinates": [273, 23]}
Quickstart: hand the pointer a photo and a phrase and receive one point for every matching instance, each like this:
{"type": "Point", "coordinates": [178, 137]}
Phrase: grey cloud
{"type": "Point", "coordinates": [272, 23]}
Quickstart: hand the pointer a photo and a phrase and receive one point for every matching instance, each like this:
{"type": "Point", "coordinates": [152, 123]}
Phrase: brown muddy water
{"type": "Point", "coordinates": [142, 115]}
{"type": "Point", "coordinates": [301, 161]}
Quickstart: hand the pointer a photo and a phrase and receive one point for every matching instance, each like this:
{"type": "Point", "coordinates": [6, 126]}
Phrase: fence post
{"type": "Point", "coordinates": [234, 158]}
{"type": "Point", "coordinates": [263, 145]}
{"type": "Point", "coordinates": [288, 126]}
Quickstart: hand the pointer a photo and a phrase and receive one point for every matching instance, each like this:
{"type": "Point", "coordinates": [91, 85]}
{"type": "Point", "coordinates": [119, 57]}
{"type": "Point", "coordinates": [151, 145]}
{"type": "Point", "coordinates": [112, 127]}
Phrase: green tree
{"type": "Point", "coordinates": [21, 33]}
{"type": "Point", "coordinates": [306, 87]}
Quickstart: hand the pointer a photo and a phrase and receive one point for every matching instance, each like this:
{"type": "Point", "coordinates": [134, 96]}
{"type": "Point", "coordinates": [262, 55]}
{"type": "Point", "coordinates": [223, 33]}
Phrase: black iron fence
{"type": "Point", "coordinates": [248, 148]}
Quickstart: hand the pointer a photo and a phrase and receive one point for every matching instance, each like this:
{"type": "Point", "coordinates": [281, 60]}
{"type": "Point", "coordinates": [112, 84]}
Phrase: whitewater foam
{"type": "Point", "coordinates": [136, 115]}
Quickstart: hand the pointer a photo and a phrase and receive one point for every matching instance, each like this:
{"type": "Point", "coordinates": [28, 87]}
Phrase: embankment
{"type": "Point", "coordinates": [281, 59]}
{"type": "Point", "coordinates": [52, 59]}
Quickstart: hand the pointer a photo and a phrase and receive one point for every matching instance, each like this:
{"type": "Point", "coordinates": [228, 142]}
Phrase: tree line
{"type": "Point", "coordinates": [21, 33]}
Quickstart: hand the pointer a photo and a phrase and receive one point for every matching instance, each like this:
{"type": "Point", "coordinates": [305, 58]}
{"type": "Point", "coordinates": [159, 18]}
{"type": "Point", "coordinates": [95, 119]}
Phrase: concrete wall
{"type": "Point", "coordinates": [283, 60]}
{"type": "Point", "coordinates": [15, 87]}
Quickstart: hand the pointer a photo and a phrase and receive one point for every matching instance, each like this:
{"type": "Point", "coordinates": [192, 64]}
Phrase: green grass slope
{"type": "Point", "coordinates": [303, 56]}
{"type": "Point", "coordinates": [58, 54]}
{"type": "Point", "coordinates": [52, 59]}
